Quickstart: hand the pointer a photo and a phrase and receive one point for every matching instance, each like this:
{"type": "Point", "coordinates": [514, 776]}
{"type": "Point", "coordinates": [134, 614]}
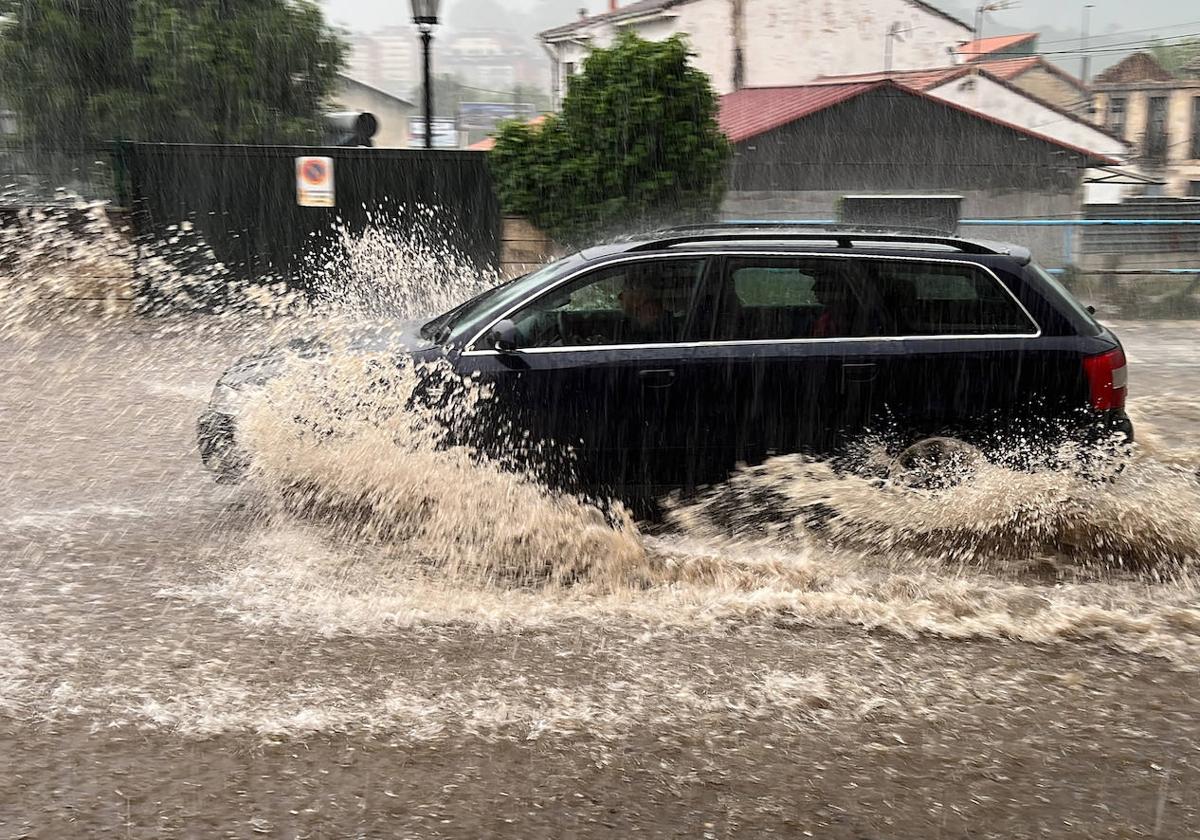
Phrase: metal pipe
{"type": "Point", "coordinates": [996, 222]}
{"type": "Point", "coordinates": [1078, 222]}
{"type": "Point", "coordinates": [1135, 272]}
{"type": "Point", "coordinates": [1083, 47]}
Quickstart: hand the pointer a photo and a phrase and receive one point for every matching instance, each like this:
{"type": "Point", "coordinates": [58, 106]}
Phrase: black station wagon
{"type": "Point", "coordinates": [664, 363]}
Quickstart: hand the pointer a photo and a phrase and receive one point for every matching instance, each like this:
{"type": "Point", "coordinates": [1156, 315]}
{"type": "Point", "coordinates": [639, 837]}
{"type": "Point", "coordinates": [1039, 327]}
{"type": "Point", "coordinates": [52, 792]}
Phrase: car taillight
{"type": "Point", "coordinates": [1107, 377]}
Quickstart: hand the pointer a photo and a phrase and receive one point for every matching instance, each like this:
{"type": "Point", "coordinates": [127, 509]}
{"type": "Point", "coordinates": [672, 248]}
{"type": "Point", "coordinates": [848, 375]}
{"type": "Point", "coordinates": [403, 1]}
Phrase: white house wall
{"type": "Point", "coordinates": [708, 25]}
{"type": "Point", "coordinates": [988, 96]}
{"type": "Point", "coordinates": [787, 42]}
{"type": "Point", "coordinates": [791, 42]}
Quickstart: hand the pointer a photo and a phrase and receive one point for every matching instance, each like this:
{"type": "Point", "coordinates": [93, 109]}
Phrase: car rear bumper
{"type": "Point", "coordinates": [216, 434]}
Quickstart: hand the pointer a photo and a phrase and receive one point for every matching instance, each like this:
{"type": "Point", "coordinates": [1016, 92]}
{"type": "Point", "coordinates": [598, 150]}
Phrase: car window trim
{"type": "Point", "coordinates": [707, 259]}
{"type": "Point", "coordinates": [472, 350]}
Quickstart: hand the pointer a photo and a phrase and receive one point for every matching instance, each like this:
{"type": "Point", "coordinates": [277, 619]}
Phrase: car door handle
{"type": "Point", "coordinates": [657, 377]}
{"type": "Point", "coordinates": [858, 371]}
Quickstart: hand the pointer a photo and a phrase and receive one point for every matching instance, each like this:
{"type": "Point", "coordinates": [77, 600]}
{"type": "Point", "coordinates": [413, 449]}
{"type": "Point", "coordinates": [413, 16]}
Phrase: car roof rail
{"type": "Point", "coordinates": [845, 236]}
{"type": "Point", "coordinates": [803, 226]}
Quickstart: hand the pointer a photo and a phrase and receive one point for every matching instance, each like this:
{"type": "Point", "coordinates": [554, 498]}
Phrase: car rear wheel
{"type": "Point", "coordinates": [936, 462]}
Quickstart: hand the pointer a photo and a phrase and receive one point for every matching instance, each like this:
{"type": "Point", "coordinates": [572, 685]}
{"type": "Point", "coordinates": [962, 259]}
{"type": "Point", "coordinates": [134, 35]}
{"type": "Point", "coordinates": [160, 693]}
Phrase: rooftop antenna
{"type": "Point", "coordinates": [992, 6]}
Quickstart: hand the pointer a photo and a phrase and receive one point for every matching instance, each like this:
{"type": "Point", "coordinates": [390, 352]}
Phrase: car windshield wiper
{"type": "Point", "coordinates": [436, 327]}
{"type": "Point", "coordinates": [439, 329]}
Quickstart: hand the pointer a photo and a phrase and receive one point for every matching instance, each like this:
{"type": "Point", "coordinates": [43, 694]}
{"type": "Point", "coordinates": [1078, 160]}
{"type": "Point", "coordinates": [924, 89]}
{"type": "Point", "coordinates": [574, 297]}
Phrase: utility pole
{"type": "Point", "coordinates": [1083, 43]}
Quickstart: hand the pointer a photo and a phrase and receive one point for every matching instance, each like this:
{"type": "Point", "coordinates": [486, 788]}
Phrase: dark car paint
{"type": "Point", "coordinates": [727, 403]}
{"type": "Point", "coordinates": [644, 419]}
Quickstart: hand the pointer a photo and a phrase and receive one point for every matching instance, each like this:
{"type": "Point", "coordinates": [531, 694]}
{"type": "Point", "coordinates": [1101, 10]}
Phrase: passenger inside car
{"type": "Point", "coordinates": [839, 308]}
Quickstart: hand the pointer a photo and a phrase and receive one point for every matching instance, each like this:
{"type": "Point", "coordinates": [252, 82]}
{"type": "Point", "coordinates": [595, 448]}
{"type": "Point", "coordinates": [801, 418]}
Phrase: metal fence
{"type": "Point", "coordinates": [242, 202]}
{"type": "Point", "coordinates": [1083, 241]}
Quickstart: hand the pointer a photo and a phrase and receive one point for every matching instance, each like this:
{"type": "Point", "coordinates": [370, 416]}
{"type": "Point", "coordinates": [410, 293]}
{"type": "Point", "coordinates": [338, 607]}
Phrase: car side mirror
{"type": "Point", "coordinates": [504, 337]}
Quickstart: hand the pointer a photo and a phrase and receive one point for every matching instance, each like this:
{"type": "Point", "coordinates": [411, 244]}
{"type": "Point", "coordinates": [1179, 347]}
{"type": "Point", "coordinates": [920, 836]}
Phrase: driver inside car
{"type": "Point", "coordinates": [646, 318]}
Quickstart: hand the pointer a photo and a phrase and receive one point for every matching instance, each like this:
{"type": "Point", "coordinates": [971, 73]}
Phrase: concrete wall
{"type": "Point", "coordinates": [391, 112]}
{"type": "Point", "coordinates": [523, 247]}
{"type": "Point", "coordinates": [990, 97]}
{"type": "Point", "coordinates": [788, 42]}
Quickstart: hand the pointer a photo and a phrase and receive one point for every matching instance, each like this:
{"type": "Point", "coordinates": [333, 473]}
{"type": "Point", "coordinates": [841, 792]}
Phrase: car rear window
{"type": "Point", "coordinates": [776, 298]}
{"type": "Point", "coordinates": [936, 298]}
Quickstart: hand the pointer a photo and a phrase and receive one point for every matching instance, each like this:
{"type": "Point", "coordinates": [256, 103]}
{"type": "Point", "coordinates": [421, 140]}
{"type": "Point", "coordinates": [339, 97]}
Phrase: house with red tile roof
{"type": "Point", "coordinates": [992, 88]}
{"type": "Point", "coordinates": [998, 46]}
{"type": "Point", "coordinates": [799, 150]}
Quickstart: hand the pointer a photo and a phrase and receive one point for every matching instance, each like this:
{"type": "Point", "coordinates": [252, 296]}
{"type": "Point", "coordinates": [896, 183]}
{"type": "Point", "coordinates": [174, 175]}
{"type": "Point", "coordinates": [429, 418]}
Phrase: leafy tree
{"type": "Point", "coordinates": [80, 72]}
{"type": "Point", "coordinates": [636, 143]}
{"type": "Point", "coordinates": [1181, 58]}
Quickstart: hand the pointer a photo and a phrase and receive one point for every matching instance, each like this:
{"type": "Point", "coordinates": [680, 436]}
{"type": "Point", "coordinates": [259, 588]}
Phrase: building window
{"type": "Point", "coordinates": [1196, 128]}
{"type": "Point", "coordinates": [1194, 189]}
{"type": "Point", "coordinates": [1155, 144]}
{"type": "Point", "coordinates": [1116, 115]}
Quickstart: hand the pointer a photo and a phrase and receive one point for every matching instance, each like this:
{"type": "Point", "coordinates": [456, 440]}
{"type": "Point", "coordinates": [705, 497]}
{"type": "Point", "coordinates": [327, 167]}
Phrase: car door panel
{"type": "Point", "coordinates": [962, 353]}
{"type": "Point", "coordinates": [622, 408]}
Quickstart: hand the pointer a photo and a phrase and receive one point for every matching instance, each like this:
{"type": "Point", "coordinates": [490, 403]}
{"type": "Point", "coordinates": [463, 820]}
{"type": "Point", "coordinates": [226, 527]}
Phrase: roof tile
{"type": "Point", "coordinates": [752, 111]}
{"type": "Point", "coordinates": [980, 49]}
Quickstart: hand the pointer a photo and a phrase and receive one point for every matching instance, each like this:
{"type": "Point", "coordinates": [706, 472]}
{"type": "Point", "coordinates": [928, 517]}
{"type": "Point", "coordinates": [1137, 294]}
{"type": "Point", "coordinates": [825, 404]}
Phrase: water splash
{"type": "Point", "coordinates": [361, 520]}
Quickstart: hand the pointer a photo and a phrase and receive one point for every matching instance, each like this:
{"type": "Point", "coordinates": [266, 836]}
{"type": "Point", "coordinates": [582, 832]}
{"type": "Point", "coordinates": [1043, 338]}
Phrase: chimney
{"type": "Point", "coordinates": [583, 14]}
{"type": "Point", "coordinates": [612, 5]}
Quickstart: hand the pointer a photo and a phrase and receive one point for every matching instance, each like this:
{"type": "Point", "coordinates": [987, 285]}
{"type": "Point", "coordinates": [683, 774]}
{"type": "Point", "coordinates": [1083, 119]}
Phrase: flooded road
{"type": "Point", "coordinates": [180, 658]}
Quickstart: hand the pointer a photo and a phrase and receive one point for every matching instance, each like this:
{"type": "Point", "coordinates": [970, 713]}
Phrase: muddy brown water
{"type": "Point", "coordinates": [179, 658]}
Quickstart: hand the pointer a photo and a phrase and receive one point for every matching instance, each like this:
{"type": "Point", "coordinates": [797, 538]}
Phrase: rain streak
{"type": "Point", "coordinates": [372, 625]}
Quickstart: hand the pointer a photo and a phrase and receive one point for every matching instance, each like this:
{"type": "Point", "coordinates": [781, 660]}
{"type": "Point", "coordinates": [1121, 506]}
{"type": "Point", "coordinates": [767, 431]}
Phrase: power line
{"type": "Point", "coordinates": [1090, 50]}
{"type": "Point", "coordinates": [1126, 32]}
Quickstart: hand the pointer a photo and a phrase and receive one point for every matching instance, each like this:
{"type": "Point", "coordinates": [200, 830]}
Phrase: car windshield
{"type": "Point", "coordinates": [442, 328]}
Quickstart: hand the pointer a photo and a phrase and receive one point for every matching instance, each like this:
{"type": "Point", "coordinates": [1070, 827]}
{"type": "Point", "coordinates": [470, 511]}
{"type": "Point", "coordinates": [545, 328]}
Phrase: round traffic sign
{"type": "Point", "coordinates": [314, 171]}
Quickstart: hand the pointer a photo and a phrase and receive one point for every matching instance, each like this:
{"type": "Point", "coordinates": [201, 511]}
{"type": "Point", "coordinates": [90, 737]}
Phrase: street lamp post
{"type": "Point", "coordinates": [424, 14]}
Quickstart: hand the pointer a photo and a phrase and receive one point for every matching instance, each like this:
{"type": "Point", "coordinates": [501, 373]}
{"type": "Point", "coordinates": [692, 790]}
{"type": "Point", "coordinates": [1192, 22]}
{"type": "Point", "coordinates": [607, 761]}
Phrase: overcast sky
{"type": "Point", "coordinates": [1114, 22]}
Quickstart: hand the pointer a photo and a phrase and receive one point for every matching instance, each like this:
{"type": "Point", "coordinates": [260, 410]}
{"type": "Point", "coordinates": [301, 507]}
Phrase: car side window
{"type": "Point", "coordinates": [945, 299]}
{"type": "Point", "coordinates": [778, 298]}
{"type": "Point", "coordinates": [637, 302]}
